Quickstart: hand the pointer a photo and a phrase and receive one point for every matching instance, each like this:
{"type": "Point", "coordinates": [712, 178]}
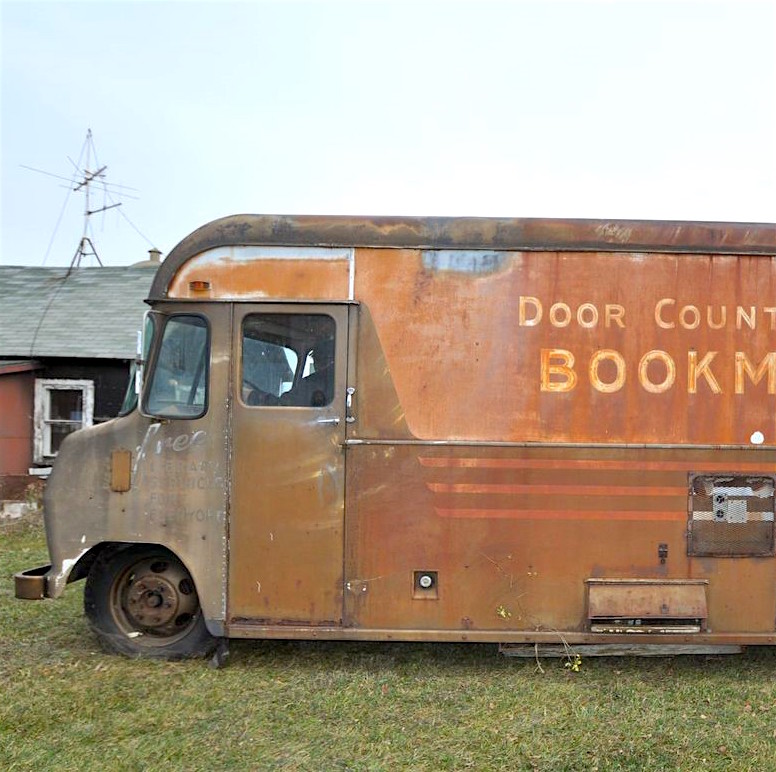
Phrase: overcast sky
{"type": "Point", "coordinates": [650, 110]}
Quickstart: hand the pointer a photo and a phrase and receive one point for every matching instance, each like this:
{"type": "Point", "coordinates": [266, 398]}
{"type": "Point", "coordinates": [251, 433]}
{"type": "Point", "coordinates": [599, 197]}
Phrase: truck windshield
{"type": "Point", "coordinates": [177, 387]}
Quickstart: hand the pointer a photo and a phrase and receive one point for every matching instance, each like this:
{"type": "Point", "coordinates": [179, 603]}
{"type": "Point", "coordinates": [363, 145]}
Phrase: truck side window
{"type": "Point", "coordinates": [178, 383]}
{"type": "Point", "coordinates": [288, 360]}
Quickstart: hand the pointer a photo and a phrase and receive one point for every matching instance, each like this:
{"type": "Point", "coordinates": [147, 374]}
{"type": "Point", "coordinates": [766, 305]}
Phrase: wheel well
{"type": "Point", "coordinates": [140, 600]}
{"type": "Point", "coordinates": [85, 562]}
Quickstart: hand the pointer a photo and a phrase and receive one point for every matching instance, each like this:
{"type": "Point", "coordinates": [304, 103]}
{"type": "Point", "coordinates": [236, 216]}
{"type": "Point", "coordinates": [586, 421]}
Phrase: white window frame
{"type": "Point", "coordinates": [43, 389]}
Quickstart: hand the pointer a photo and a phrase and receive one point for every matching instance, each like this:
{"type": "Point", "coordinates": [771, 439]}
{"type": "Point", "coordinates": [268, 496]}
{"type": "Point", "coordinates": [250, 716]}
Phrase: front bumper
{"type": "Point", "coordinates": [31, 584]}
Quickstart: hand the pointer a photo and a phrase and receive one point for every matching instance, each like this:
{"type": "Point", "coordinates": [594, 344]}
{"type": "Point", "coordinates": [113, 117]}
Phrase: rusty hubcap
{"type": "Point", "coordinates": [156, 596]}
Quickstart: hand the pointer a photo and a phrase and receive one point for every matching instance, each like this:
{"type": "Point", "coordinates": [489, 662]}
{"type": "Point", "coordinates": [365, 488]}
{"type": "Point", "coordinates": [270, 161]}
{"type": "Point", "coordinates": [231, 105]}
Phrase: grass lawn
{"type": "Point", "coordinates": [360, 706]}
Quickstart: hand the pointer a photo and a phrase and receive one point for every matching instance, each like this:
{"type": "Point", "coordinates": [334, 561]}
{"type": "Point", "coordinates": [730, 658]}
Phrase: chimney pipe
{"type": "Point", "coordinates": [154, 255]}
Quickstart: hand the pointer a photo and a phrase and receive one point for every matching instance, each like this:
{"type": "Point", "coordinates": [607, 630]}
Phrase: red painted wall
{"type": "Point", "coordinates": [16, 422]}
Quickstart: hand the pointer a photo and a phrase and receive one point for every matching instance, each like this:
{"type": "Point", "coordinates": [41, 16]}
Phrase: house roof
{"type": "Point", "coordinates": [89, 313]}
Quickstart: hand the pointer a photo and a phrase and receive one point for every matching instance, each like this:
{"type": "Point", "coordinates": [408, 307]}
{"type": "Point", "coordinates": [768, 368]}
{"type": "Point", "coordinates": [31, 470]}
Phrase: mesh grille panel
{"type": "Point", "coordinates": [731, 515]}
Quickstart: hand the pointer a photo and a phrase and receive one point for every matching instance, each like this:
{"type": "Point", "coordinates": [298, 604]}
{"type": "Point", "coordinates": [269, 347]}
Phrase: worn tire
{"type": "Point", "coordinates": [140, 601]}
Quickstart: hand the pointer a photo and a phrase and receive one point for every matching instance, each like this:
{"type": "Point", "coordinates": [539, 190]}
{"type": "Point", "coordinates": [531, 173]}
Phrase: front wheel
{"type": "Point", "coordinates": [141, 601]}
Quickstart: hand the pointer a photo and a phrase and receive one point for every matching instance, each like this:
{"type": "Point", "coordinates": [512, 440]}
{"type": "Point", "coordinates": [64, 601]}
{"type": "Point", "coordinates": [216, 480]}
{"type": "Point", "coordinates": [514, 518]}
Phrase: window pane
{"type": "Point", "coordinates": [288, 359]}
{"type": "Point", "coordinates": [179, 381]}
{"type": "Point", "coordinates": [268, 367]}
{"type": "Point", "coordinates": [62, 406]}
{"type": "Point", "coordinates": [66, 404]}
{"type": "Point", "coordinates": [58, 432]}
{"type": "Point", "coordinates": [130, 396]}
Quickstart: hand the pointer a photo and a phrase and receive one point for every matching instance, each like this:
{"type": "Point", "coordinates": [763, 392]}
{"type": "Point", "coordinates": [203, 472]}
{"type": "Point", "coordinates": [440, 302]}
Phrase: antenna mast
{"type": "Point", "coordinates": [85, 245]}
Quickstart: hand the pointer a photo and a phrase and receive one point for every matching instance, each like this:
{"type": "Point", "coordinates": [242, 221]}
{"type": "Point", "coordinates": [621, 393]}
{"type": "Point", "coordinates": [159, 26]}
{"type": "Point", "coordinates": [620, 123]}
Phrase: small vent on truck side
{"type": "Point", "coordinates": [646, 626]}
{"type": "Point", "coordinates": [731, 516]}
{"type": "Point", "coordinates": [657, 606]}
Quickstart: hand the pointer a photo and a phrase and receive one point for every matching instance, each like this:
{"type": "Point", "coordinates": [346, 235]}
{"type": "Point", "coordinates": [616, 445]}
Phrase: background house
{"type": "Point", "coordinates": [67, 338]}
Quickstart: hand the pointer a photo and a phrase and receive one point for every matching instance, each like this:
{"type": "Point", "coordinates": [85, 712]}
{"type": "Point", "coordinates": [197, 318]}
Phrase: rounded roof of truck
{"type": "Point", "coordinates": [491, 233]}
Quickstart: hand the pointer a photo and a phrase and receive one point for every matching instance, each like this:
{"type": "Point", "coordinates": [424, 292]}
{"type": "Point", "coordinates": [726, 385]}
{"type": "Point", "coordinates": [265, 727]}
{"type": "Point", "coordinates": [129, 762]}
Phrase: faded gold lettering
{"type": "Point", "coordinates": [710, 317]}
{"type": "Point", "coordinates": [659, 310]}
{"type": "Point", "coordinates": [564, 320]}
{"type": "Point", "coordinates": [615, 313]}
{"type": "Point", "coordinates": [742, 316]}
{"type": "Point", "coordinates": [745, 366]}
{"type": "Point", "coordinates": [522, 317]}
{"type": "Point", "coordinates": [587, 316]}
{"type": "Point", "coordinates": [557, 370]}
{"type": "Point", "coordinates": [619, 363]}
{"type": "Point", "coordinates": [694, 313]}
{"type": "Point", "coordinates": [670, 365]}
{"type": "Point", "coordinates": [695, 369]}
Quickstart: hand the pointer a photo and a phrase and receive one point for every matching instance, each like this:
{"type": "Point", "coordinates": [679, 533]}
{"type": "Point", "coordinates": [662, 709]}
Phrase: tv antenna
{"type": "Point", "coordinates": [88, 178]}
{"type": "Point", "coordinates": [83, 180]}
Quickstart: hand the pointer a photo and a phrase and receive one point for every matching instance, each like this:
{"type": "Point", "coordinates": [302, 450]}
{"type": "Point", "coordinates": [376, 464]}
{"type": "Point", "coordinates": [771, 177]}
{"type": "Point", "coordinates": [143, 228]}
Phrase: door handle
{"type": "Point", "coordinates": [334, 420]}
{"type": "Point", "coordinates": [349, 417]}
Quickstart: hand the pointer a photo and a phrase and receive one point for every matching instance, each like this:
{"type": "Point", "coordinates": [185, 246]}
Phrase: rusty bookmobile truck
{"type": "Point", "coordinates": [505, 430]}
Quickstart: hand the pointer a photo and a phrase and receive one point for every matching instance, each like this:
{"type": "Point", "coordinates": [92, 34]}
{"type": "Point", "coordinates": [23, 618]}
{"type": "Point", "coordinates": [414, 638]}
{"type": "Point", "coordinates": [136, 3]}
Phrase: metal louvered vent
{"type": "Point", "coordinates": [731, 516]}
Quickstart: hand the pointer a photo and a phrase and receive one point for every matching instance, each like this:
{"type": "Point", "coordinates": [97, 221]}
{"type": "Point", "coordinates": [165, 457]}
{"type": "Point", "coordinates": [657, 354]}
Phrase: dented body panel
{"type": "Point", "coordinates": [531, 429]}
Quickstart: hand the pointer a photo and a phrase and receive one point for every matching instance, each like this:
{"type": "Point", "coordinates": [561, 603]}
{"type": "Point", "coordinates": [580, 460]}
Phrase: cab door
{"type": "Point", "coordinates": [288, 464]}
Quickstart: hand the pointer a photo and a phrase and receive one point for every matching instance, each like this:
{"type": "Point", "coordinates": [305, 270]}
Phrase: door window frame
{"type": "Point", "coordinates": [290, 397]}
